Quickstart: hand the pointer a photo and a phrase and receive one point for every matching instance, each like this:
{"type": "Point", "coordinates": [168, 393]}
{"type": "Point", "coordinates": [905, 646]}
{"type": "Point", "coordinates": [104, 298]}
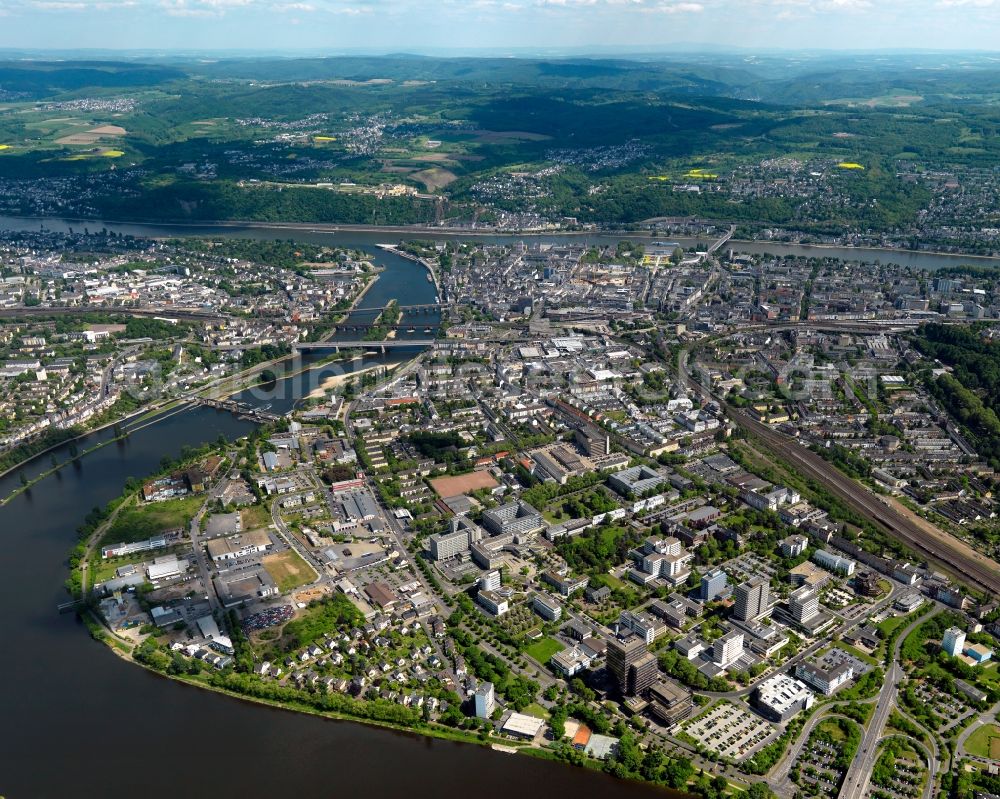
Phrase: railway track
{"type": "Point", "coordinates": [937, 545]}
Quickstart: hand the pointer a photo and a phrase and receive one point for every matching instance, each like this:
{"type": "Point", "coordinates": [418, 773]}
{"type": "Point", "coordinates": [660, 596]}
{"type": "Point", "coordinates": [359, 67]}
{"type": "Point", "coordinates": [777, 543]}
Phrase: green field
{"type": "Point", "coordinates": [543, 649]}
{"type": "Point", "coordinates": [149, 519]}
{"type": "Point", "coordinates": [892, 623]}
{"type": "Point", "coordinates": [536, 710]}
{"type": "Point", "coordinates": [980, 743]}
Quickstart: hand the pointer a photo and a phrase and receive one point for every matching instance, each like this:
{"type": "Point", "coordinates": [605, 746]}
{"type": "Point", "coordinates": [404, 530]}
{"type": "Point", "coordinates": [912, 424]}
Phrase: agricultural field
{"type": "Point", "coordinates": [401, 141]}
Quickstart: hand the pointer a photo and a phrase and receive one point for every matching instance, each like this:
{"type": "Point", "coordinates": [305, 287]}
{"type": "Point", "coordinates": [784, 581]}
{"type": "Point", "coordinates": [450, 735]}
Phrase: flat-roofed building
{"type": "Point", "coordinates": [953, 641]}
{"type": "Point", "coordinates": [485, 700]}
{"type": "Point", "coordinates": [166, 568]}
{"type": "Point", "coordinates": [793, 546]}
{"type": "Point", "coordinates": [808, 573]}
{"type": "Point", "coordinates": [781, 697]}
{"type": "Point", "coordinates": [572, 661]}
{"type": "Point", "coordinates": [523, 726]}
{"type": "Point", "coordinates": [461, 535]}
{"type": "Point", "coordinates": [803, 604]}
{"type": "Point", "coordinates": [239, 546]}
{"type": "Point", "coordinates": [632, 665]}
{"type": "Point", "coordinates": [494, 603]}
{"type": "Point", "coordinates": [515, 517]}
{"type": "Point", "coordinates": [753, 599]}
{"type": "Point", "coordinates": [546, 607]}
{"type": "Point", "coordinates": [727, 649]}
{"type": "Point", "coordinates": [637, 480]}
{"type": "Point", "coordinates": [670, 702]}
{"type": "Point", "coordinates": [238, 587]}
{"type": "Point", "coordinates": [834, 562]}
{"type": "Point", "coordinates": [713, 583]}
{"type": "Point", "coordinates": [826, 681]}
{"type": "Point", "coordinates": [642, 624]}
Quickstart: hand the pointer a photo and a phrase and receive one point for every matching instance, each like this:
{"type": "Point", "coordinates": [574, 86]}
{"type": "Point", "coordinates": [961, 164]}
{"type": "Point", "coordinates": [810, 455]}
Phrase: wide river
{"type": "Point", "coordinates": [77, 721]}
{"type": "Point", "coordinates": [366, 239]}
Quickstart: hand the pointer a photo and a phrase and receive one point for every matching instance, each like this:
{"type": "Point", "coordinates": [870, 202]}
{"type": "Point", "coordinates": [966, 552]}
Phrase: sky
{"type": "Point", "coordinates": [544, 25]}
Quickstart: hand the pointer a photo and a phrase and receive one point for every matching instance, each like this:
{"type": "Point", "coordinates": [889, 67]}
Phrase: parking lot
{"type": "Point", "coordinates": [271, 617]}
{"type": "Point", "coordinates": [950, 709]}
{"type": "Point", "coordinates": [816, 770]}
{"type": "Point", "coordinates": [731, 731]}
{"type": "Point", "coordinates": [746, 567]}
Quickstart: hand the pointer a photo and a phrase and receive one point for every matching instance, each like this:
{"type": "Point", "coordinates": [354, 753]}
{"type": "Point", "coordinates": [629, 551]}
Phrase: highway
{"type": "Point", "coordinates": [859, 774]}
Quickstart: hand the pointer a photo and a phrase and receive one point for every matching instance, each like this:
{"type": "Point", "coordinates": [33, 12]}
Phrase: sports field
{"type": "Point", "coordinates": [288, 570]}
{"type": "Point", "coordinates": [462, 483]}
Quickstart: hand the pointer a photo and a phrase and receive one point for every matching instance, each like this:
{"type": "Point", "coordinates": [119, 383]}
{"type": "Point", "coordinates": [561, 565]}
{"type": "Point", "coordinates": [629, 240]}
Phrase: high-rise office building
{"type": "Point", "coordinates": [753, 599]}
{"type": "Point", "coordinates": [633, 666]}
{"type": "Point", "coordinates": [803, 603]}
{"type": "Point", "coordinates": [713, 583]}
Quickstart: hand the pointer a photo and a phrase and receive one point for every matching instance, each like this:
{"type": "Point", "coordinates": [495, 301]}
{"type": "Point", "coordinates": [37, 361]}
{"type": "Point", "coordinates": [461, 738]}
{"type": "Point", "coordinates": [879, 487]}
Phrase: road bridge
{"type": "Point", "coordinates": [353, 344]}
{"type": "Point", "coordinates": [722, 240]}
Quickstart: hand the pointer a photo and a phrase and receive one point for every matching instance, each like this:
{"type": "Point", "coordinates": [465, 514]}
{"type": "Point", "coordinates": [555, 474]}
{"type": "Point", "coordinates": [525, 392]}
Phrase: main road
{"type": "Point", "coordinates": [860, 771]}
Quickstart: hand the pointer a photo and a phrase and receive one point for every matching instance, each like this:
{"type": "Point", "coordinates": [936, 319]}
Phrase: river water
{"type": "Point", "coordinates": [367, 239]}
{"type": "Point", "coordinates": [75, 720]}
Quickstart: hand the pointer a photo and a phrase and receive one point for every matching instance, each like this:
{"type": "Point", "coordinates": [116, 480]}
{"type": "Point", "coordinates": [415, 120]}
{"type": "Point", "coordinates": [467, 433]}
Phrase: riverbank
{"type": "Point", "coordinates": [335, 381]}
{"type": "Point", "coordinates": [428, 265]}
{"type": "Point", "coordinates": [138, 415]}
{"type": "Point", "coordinates": [428, 731]}
{"type": "Point", "coordinates": [435, 232]}
{"type": "Point", "coordinates": [124, 649]}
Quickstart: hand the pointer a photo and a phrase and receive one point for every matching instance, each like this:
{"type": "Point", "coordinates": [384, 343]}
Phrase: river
{"type": "Point", "coordinates": [79, 721]}
{"type": "Point", "coordinates": [366, 239]}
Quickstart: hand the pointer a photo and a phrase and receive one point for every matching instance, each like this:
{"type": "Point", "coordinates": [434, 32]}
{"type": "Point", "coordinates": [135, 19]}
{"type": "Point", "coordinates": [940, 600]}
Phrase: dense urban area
{"type": "Point", "coordinates": [711, 520]}
{"type": "Point", "coordinates": [647, 487]}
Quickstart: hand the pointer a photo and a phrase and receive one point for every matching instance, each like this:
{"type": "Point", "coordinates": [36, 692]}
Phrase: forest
{"type": "Point", "coordinates": [971, 393]}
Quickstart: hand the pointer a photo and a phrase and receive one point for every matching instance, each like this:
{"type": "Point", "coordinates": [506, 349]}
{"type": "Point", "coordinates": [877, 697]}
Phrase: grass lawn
{"type": "Point", "coordinates": [543, 649]}
{"type": "Point", "coordinates": [104, 569]}
{"type": "Point", "coordinates": [987, 674]}
{"type": "Point", "coordinates": [536, 710]}
{"type": "Point", "coordinates": [255, 517]}
{"type": "Point", "coordinates": [148, 519]}
{"type": "Point", "coordinates": [613, 582]}
{"type": "Point", "coordinates": [891, 624]}
{"type": "Point", "coordinates": [857, 653]}
{"type": "Point", "coordinates": [289, 570]}
{"type": "Point", "coordinates": [832, 728]}
{"type": "Point", "coordinates": [980, 743]}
